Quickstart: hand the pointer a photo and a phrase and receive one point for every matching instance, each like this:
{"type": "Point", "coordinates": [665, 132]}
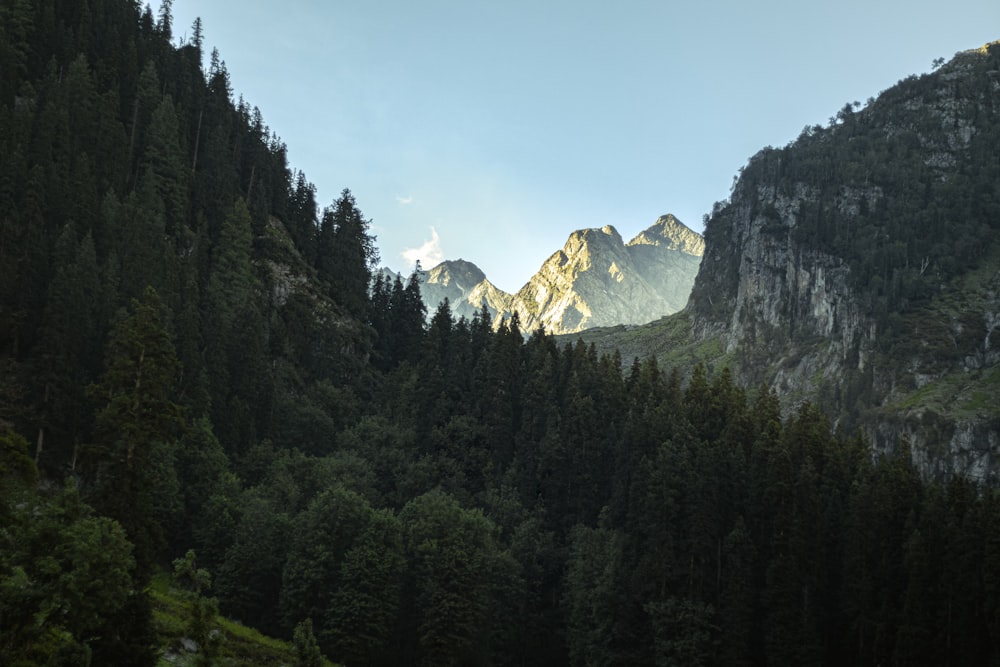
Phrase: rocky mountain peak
{"type": "Point", "coordinates": [598, 280]}
{"type": "Point", "coordinates": [609, 230]}
{"type": "Point", "coordinates": [670, 232]}
{"type": "Point", "coordinates": [455, 272]}
{"type": "Point", "coordinates": [595, 279]}
{"type": "Point", "coordinates": [582, 241]}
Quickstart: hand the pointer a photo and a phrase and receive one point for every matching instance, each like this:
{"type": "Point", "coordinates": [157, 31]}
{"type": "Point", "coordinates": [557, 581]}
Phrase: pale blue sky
{"type": "Point", "coordinates": [502, 126]}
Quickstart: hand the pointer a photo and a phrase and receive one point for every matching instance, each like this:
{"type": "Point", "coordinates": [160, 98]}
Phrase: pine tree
{"type": "Point", "coordinates": [235, 334]}
{"type": "Point", "coordinates": [165, 23]}
{"type": "Point", "coordinates": [163, 165]}
{"type": "Point", "coordinates": [594, 573]}
{"type": "Point", "coordinates": [16, 19]}
{"type": "Point", "coordinates": [307, 653]}
{"type": "Point", "coordinates": [346, 254]}
{"type": "Point", "coordinates": [70, 346]}
{"type": "Point", "coordinates": [407, 314]}
{"type": "Point", "coordinates": [380, 319]}
{"type": "Point", "coordinates": [138, 416]}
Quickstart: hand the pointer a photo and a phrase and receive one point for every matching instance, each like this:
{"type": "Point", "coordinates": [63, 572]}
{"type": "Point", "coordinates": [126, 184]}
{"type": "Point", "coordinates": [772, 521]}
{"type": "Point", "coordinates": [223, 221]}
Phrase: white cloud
{"type": "Point", "coordinates": [404, 201]}
{"type": "Point", "coordinates": [429, 253]}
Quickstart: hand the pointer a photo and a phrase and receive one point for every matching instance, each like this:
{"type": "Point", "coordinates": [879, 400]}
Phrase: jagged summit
{"type": "Point", "coordinates": [611, 231]}
{"type": "Point", "coordinates": [590, 282]}
{"type": "Point", "coordinates": [595, 279]}
{"type": "Point", "coordinates": [457, 272]}
{"type": "Point", "coordinates": [674, 234]}
{"type": "Point", "coordinates": [583, 244]}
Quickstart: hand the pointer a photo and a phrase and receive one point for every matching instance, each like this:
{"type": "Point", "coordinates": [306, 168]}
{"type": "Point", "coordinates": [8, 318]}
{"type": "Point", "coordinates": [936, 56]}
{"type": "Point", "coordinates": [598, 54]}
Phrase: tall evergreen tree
{"type": "Point", "coordinates": [163, 165]}
{"type": "Point", "coordinates": [407, 314]}
{"type": "Point", "coordinates": [69, 350]}
{"type": "Point", "coordinates": [137, 417]}
{"type": "Point", "coordinates": [346, 254]}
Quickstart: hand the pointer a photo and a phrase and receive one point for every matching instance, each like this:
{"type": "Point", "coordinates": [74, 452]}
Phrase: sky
{"type": "Point", "coordinates": [490, 130]}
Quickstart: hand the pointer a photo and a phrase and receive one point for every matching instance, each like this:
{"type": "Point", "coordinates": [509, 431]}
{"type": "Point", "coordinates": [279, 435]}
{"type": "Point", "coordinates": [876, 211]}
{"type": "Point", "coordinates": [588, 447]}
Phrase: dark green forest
{"type": "Point", "coordinates": [196, 364]}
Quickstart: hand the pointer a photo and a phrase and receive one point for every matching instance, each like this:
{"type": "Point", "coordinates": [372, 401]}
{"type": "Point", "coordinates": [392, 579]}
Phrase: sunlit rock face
{"type": "Point", "coordinates": [596, 279]}
{"type": "Point", "coordinates": [667, 256]}
{"type": "Point", "coordinates": [464, 285]}
{"type": "Point", "coordinates": [590, 281]}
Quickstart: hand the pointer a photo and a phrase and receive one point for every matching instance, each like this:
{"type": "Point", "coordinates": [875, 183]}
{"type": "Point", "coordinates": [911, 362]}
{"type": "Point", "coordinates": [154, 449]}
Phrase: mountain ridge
{"type": "Point", "coordinates": [595, 279]}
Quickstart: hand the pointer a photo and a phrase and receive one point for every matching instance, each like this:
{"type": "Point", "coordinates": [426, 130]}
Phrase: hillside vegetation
{"type": "Point", "coordinates": [199, 379]}
{"type": "Point", "coordinates": [857, 267]}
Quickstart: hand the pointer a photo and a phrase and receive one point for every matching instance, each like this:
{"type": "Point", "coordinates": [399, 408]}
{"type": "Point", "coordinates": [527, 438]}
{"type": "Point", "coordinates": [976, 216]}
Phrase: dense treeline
{"type": "Point", "coordinates": [193, 358]}
{"type": "Point", "coordinates": [509, 501]}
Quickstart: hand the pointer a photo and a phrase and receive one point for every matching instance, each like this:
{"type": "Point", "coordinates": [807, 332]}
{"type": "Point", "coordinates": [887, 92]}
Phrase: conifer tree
{"type": "Point", "coordinates": [163, 165]}
{"type": "Point", "coordinates": [137, 416]}
{"type": "Point", "coordinates": [70, 348]}
{"type": "Point", "coordinates": [407, 315]}
{"type": "Point", "coordinates": [346, 254]}
{"type": "Point", "coordinates": [307, 653]}
{"type": "Point", "coordinates": [234, 333]}
{"type": "Point", "coordinates": [165, 23]}
{"type": "Point", "coordinates": [15, 29]}
{"type": "Point", "coordinates": [132, 432]}
{"type": "Point", "coordinates": [380, 319]}
{"type": "Point", "coordinates": [594, 572]}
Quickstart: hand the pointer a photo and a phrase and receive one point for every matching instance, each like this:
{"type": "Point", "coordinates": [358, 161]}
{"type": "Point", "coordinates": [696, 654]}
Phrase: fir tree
{"type": "Point", "coordinates": [138, 416]}
{"type": "Point", "coordinates": [346, 254]}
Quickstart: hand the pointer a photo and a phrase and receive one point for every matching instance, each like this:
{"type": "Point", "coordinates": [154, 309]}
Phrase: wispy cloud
{"type": "Point", "coordinates": [429, 253]}
{"type": "Point", "coordinates": [404, 201]}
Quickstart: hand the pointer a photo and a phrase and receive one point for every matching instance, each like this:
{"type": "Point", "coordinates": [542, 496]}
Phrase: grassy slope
{"type": "Point", "coordinates": [668, 339]}
{"type": "Point", "coordinates": [241, 646]}
{"type": "Point", "coordinates": [950, 325]}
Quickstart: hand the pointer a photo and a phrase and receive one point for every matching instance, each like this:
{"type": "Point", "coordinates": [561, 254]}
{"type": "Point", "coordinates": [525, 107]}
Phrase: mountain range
{"type": "Point", "coordinates": [596, 279]}
{"type": "Point", "coordinates": [855, 268]}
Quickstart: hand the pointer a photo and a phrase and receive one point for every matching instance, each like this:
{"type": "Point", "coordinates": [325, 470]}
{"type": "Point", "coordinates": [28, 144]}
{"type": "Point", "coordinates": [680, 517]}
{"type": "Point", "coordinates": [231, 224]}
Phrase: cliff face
{"type": "Point", "coordinates": [857, 268]}
{"type": "Point", "coordinates": [770, 297]}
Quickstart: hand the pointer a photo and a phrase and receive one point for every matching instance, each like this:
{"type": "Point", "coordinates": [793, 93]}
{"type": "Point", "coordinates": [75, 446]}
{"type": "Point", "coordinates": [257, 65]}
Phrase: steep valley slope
{"type": "Point", "coordinates": [858, 268]}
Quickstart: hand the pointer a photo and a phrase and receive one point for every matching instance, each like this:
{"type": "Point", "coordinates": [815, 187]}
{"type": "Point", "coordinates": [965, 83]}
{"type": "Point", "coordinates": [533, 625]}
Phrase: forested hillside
{"type": "Point", "coordinates": [198, 378]}
{"type": "Point", "coordinates": [858, 267]}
